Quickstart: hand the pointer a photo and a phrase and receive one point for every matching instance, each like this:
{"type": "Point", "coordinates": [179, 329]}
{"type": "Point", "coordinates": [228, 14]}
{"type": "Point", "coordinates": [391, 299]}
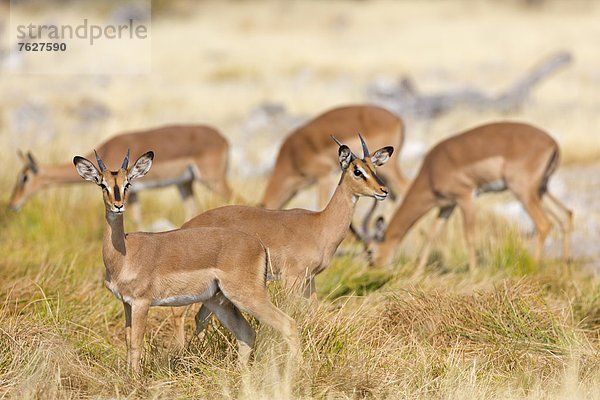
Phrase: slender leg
{"type": "Point", "coordinates": [436, 227]}
{"type": "Point", "coordinates": [202, 318]}
{"type": "Point", "coordinates": [232, 319]}
{"type": "Point", "coordinates": [135, 210]}
{"type": "Point", "coordinates": [324, 188]}
{"type": "Point", "coordinates": [127, 308]}
{"type": "Point", "coordinates": [139, 316]}
{"type": "Point", "coordinates": [255, 301]}
{"type": "Point", "coordinates": [179, 314]}
{"type": "Point", "coordinates": [532, 203]}
{"type": "Point", "coordinates": [564, 217]}
{"type": "Point", "coordinates": [310, 291]}
{"type": "Point", "coordinates": [466, 206]}
{"type": "Point", "coordinates": [186, 191]}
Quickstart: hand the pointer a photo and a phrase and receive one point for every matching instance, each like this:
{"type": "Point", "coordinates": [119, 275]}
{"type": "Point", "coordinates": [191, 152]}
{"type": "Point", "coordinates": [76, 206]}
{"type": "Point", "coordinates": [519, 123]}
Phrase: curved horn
{"type": "Point", "coordinates": [364, 147]}
{"type": "Point", "coordinates": [337, 141]}
{"type": "Point", "coordinates": [125, 161]}
{"type": "Point", "coordinates": [100, 162]}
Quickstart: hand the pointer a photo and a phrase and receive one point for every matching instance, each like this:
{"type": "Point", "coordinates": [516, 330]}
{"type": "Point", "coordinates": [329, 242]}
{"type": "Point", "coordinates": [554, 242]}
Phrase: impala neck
{"type": "Point", "coordinates": [418, 201]}
{"type": "Point", "coordinates": [58, 174]}
{"type": "Point", "coordinates": [337, 216]}
{"type": "Point", "coordinates": [114, 247]}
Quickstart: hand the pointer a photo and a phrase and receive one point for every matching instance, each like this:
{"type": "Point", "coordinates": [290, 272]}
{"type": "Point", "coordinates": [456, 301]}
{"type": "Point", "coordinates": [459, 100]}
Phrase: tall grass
{"type": "Point", "coordinates": [502, 332]}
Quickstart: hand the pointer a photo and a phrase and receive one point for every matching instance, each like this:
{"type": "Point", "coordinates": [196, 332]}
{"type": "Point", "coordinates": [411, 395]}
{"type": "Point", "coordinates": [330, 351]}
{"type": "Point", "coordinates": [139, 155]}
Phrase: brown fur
{"type": "Point", "coordinates": [224, 269]}
{"type": "Point", "coordinates": [197, 151]}
{"type": "Point", "coordinates": [518, 156]}
{"type": "Point", "coordinates": [301, 242]}
{"type": "Point", "coordinates": [307, 155]}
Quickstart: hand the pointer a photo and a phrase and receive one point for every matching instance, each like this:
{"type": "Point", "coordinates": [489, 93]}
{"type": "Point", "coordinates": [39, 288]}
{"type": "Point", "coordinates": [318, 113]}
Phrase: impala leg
{"type": "Point", "coordinates": [139, 316]}
{"type": "Point", "coordinates": [258, 304]}
{"type": "Point", "coordinates": [564, 217]}
{"type": "Point", "coordinates": [543, 225]}
{"type": "Point", "coordinates": [436, 227]}
{"type": "Point", "coordinates": [202, 318]}
{"type": "Point", "coordinates": [324, 185]}
{"type": "Point", "coordinates": [310, 291]}
{"type": "Point", "coordinates": [232, 319]}
{"type": "Point", "coordinates": [135, 210]}
{"type": "Point", "coordinates": [127, 309]}
{"type": "Point", "coordinates": [179, 314]}
{"type": "Point", "coordinates": [466, 206]}
{"type": "Point", "coordinates": [186, 191]}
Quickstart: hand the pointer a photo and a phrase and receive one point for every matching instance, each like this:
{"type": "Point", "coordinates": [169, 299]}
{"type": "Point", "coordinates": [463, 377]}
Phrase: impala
{"type": "Point", "coordinates": [301, 242]}
{"type": "Point", "coordinates": [490, 158]}
{"type": "Point", "coordinates": [224, 269]}
{"type": "Point", "coordinates": [307, 155]}
{"type": "Point", "coordinates": [187, 153]}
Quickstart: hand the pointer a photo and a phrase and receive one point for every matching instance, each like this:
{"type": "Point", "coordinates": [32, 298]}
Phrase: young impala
{"type": "Point", "coordinates": [224, 269]}
{"type": "Point", "coordinates": [187, 153]}
{"type": "Point", "coordinates": [301, 242]}
{"type": "Point", "coordinates": [489, 158]}
{"type": "Point", "coordinates": [307, 155]}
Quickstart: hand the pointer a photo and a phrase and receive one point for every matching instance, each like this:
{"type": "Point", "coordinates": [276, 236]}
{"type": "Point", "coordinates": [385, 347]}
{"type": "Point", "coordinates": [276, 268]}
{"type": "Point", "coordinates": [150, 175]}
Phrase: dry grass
{"type": "Point", "coordinates": [513, 329]}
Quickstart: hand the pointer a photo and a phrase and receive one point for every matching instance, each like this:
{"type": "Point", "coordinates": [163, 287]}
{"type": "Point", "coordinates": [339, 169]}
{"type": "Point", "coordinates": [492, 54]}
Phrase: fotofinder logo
{"type": "Point", "coordinates": [83, 40]}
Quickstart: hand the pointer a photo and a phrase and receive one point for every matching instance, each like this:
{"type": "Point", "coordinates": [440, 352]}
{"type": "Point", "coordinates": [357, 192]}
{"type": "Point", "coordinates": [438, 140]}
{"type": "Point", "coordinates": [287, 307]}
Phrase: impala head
{"type": "Point", "coordinates": [114, 184]}
{"type": "Point", "coordinates": [27, 181]}
{"type": "Point", "coordinates": [359, 173]}
{"type": "Point", "coordinates": [378, 253]}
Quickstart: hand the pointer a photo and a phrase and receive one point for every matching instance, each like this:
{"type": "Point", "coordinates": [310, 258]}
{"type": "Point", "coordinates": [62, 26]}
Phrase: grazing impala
{"type": "Point", "coordinates": [186, 153]}
{"type": "Point", "coordinates": [224, 269]}
{"type": "Point", "coordinates": [307, 155]}
{"type": "Point", "coordinates": [489, 158]}
{"type": "Point", "coordinates": [301, 242]}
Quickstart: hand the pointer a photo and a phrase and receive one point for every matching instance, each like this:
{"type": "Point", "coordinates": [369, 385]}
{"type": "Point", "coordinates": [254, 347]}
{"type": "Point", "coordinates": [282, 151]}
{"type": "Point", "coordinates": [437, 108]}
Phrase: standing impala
{"type": "Point", "coordinates": [186, 153]}
{"type": "Point", "coordinates": [489, 158]}
{"type": "Point", "coordinates": [307, 155]}
{"type": "Point", "coordinates": [224, 269]}
{"type": "Point", "coordinates": [301, 242]}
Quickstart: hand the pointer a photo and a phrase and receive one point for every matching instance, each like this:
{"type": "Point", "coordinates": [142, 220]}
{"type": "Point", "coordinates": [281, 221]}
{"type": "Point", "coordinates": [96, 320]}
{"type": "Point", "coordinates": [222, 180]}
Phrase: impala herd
{"type": "Point", "coordinates": [223, 258]}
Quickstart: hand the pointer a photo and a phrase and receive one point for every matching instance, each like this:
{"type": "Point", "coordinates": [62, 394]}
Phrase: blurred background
{"type": "Point", "coordinates": [257, 69]}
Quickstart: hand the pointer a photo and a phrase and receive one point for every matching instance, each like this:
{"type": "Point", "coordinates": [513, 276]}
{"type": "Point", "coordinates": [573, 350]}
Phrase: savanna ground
{"type": "Point", "coordinates": [512, 329]}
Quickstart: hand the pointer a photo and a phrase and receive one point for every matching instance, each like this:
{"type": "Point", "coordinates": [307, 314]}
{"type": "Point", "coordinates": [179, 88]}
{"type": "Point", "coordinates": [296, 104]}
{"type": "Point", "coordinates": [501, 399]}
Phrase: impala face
{"type": "Point", "coordinates": [363, 179]}
{"type": "Point", "coordinates": [114, 184]}
{"type": "Point", "coordinates": [27, 182]}
{"type": "Point", "coordinates": [377, 254]}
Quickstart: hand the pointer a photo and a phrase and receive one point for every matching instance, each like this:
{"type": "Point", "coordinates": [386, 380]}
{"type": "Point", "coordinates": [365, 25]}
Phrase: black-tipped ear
{"type": "Point", "coordinates": [346, 156]}
{"type": "Point", "coordinates": [379, 234]}
{"type": "Point", "coordinates": [87, 170]}
{"type": "Point", "coordinates": [382, 156]}
{"type": "Point", "coordinates": [141, 166]}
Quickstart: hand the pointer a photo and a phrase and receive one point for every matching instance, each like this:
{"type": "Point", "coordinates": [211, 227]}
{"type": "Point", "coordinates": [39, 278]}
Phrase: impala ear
{"type": "Point", "coordinates": [141, 166]}
{"type": "Point", "coordinates": [87, 170]}
{"type": "Point", "coordinates": [382, 156]}
{"type": "Point", "coordinates": [379, 234]}
{"type": "Point", "coordinates": [346, 156]}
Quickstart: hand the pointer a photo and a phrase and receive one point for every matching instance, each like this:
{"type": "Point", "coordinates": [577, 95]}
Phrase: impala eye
{"type": "Point", "coordinates": [103, 186]}
{"type": "Point", "coordinates": [127, 185]}
{"type": "Point", "coordinates": [24, 178]}
{"type": "Point", "coordinates": [357, 172]}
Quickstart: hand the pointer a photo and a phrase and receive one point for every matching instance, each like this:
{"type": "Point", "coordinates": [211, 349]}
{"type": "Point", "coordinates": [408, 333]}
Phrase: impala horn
{"type": "Point", "coordinates": [364, 147]}
{"type": "Point", "coordinates": [100, 162]}
{"type": "Point", "coordinates": [125, 161]}
{"type": "Point", "coordinates": [337, 141]}
{"type": "Point", "coordinates": [342, 144]}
